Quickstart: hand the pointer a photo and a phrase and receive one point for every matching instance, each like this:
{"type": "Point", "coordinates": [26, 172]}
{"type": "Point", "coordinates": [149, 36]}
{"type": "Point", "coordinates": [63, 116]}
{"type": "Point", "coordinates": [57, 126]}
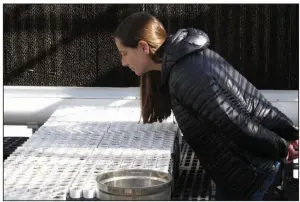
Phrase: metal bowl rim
{"type": "Point", "coordinates": [137, 191]}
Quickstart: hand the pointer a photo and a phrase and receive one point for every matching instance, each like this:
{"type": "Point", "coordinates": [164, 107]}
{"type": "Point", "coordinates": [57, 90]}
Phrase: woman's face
{"type": "Point", "coordinates": [137, 59]}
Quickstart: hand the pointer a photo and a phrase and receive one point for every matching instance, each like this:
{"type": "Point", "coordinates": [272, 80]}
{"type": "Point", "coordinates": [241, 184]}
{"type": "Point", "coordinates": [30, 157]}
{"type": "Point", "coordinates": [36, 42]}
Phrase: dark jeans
{"type": "Point", "coordinates": [259, 193]}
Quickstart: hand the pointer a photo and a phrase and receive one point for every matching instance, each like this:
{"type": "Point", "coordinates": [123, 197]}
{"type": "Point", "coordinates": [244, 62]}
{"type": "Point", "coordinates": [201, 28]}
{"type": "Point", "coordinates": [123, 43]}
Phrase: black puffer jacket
{"type": "Point", "coordinates": [229, 124]}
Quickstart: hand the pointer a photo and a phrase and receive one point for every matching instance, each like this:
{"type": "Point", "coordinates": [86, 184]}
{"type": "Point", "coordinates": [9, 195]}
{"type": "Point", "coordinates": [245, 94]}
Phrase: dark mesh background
{"type": "Point", "coordinates": [71, 45]}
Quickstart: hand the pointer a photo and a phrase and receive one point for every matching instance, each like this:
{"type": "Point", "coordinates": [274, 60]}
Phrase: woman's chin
{"type": "Point", "coordinates": [138, 73]}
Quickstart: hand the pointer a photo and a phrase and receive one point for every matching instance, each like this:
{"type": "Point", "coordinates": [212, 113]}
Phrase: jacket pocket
{"type": "Point", "coordinates": [237, 152]}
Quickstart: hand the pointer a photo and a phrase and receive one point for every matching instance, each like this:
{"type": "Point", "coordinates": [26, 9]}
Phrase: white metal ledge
{"type": "Point", "coordinates": [33, 105]}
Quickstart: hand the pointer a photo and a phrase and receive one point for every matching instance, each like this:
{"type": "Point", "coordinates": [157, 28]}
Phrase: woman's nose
{"type": "Point", "coordinates": [124, 63]}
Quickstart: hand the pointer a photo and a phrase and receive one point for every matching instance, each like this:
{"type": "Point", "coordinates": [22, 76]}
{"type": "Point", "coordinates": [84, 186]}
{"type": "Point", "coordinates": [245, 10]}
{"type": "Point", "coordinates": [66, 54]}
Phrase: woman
{"type": "Point", "coordinates": [236, 133]}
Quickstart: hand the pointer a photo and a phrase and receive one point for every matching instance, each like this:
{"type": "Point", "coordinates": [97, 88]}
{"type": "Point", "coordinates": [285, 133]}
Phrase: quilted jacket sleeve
{"type": "Point", "coordinates": [276, 121]}
{"type": "Point", "coordinates": [258, 106]}
{"type": "Point", "coordinates": [200, 92]}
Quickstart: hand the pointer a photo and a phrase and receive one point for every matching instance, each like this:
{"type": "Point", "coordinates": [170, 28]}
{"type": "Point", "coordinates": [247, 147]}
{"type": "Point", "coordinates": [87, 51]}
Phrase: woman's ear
{"type": "Point", "coordinates": [144, 46]}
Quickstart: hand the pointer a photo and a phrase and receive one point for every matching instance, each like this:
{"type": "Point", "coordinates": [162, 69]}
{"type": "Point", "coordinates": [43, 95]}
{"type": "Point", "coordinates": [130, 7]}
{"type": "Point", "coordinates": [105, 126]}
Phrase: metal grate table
{"type": "Point", "coordinates": [192, 183]}
{"type": "Point", "coordinates": [10, 144]}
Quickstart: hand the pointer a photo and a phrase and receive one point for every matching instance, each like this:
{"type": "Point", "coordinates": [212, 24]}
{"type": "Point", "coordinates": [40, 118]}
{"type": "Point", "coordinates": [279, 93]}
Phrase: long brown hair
{"type": "Point", "coordinates": [155, 100]}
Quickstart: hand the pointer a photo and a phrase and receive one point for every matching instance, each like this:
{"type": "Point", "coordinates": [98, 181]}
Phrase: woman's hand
{"type": "Point", "coordinates": [292, 153]}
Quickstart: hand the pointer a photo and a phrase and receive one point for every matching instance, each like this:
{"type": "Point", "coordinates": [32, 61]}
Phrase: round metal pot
{"type": "Point", "coordinates": [134, 184]}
